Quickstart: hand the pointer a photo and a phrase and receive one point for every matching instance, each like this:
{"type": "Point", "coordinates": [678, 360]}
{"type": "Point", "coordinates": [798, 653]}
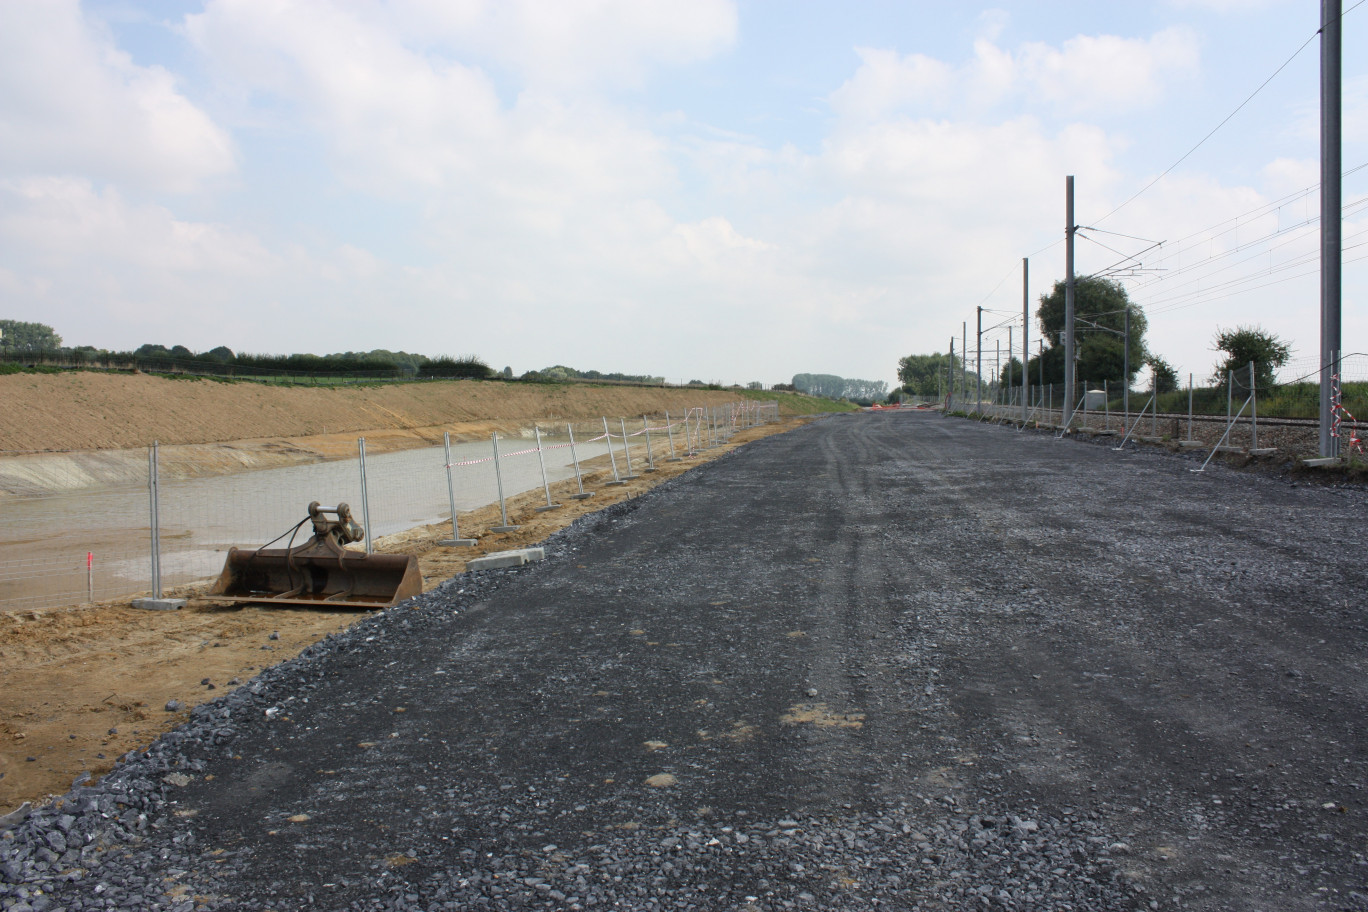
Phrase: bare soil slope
{"type": "Point", "coordinates": [89, 411]}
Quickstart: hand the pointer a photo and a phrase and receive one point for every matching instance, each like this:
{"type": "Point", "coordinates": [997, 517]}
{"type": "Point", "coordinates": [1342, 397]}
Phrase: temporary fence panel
{"type": "Point", "coordinates": [91, 539]}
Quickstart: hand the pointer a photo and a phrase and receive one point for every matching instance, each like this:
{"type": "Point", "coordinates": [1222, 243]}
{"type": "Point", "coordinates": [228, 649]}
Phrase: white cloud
{"type": "Point", "coordinates": [1104, 72]}
{"type": "Point", "coordinates": [73, 103]}
{"type": "Point", "coordinates": [403, 122]}
{"type": "Point", "coordinates": [559, 45]}
{"type": "Point", "coordinates": [887, 82]}
{"type": "Point", "coordinates": [1084, 75]}
{"type": "Point", "coordinates": [145, 273]}
{"type": "Point", "coordinates": [1288, 175]}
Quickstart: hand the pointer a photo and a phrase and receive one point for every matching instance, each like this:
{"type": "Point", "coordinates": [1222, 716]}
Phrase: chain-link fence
{"type": "Point", "coordinates": [80, 534]}
{"type": "Point", "coordinates": [1247, 409]}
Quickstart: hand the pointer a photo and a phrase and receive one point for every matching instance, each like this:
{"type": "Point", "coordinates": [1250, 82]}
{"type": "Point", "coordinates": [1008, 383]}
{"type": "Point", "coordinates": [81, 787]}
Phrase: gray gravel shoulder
{"type": "Point", "coordinates": [882, 662]}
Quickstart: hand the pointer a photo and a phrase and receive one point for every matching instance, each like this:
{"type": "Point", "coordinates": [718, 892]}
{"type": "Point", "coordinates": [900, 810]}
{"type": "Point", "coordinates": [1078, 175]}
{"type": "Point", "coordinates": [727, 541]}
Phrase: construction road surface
{"type": "Point", "coordinates": [890, 661]}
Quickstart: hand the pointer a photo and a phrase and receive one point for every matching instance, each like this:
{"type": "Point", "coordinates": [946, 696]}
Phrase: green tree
{"type": "Point", "coordinates": [1165, 377]}
{"type": "Point", "coordinates": [1244, 344]}
{"type": "Point", "coordinates": [1011, 373]}
{"type": "Point", "coordinates": [828, 386]}
{"type": "Point", "coordinates": [924, 375]}
{"type": "Point", "coordinates": [18, 336]}
{"type": "Point", "coordinates": [1100, 307]}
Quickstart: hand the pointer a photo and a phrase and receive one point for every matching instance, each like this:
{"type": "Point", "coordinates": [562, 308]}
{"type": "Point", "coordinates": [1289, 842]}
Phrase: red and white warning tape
{"type": "Point", "coordinates": [1337, 410]}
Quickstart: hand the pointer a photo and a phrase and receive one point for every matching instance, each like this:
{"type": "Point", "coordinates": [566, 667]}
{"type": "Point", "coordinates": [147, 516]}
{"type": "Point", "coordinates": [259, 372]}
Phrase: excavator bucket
{"type": "Point", "coordinates": [321, 573]}
{"type": "Point", "coordinates": [351, 579]}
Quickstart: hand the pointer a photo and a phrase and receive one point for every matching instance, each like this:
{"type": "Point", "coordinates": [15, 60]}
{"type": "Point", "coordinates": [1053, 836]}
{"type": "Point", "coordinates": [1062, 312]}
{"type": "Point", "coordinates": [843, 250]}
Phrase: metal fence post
{"type": "Point", "coordinates": [498, 479]}
{"type": "Point", "coordinates": [365, 495]}
{"type": "Point", "coordinates": [669, 432]}
{"type": "Point", "coordinates": [455, 540]}
{"type": "Point", "coordinates": [1189, 436]}
{"type": "Point", "coordinates": [1230, 391]}
{"type": "Point", "coordinates": [154, 502]}
{"type": "Point", "coordinates": [608, 436]}
{"type": "Point", "coordinates": [1154, 415]}
{"type": "Point", "coordinates": [546, 485]}
{"type": "Point", "coordinates": [1253, 411]}
{"type": "Point", "coordinates": [650, 458]}
{"type": "Point", "coordinates": [579, 479]}
{"type": "Point", "coordinates": [626, 450]}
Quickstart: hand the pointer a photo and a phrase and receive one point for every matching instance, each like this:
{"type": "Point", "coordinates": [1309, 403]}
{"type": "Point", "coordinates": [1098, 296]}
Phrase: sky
{"type": "Point", "coordinates": [722, 190]}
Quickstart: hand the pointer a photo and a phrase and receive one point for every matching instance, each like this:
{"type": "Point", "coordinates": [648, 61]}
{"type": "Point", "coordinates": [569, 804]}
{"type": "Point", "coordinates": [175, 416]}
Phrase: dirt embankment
{"type": "Point", "coordinates": [73, 431]}
{"type": "Point", "coordinates": [47, 413]}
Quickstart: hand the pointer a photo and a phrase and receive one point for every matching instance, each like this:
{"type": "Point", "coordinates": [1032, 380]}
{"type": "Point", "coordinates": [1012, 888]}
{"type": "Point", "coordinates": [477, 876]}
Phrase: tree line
{"type": "Point", "coordinates": [1103, 338]}
{"type": "Point", "coordinates": [40, 343]}
{"type": "Point", "coordinates": [830, 386]}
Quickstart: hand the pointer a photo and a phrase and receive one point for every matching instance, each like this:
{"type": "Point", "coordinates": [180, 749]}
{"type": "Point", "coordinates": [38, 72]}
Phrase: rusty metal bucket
{"type": "Point", "coordinates": [352, 579]}
{"type": "Point", "coordinates": [321, 573]}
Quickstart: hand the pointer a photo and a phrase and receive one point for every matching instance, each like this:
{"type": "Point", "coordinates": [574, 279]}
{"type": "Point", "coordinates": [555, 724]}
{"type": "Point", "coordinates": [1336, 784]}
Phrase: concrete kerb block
{"type": "Point", "coordinates": [159, 604]}
{"type": "Point", "coordinates": [502, 560]}
{"type": "Point", "coordinates": [585, 496]}
{"type": "Point", "coordinates": [457, 543]}
{"type": "Point", "coordinates": [1320, 463]}
{"type": "Point", "coordinates": [554, 506]}
{"type": "Point", "coordinates": [504, 528]}
{"type": "Point", "coordinates": [1192, 444]}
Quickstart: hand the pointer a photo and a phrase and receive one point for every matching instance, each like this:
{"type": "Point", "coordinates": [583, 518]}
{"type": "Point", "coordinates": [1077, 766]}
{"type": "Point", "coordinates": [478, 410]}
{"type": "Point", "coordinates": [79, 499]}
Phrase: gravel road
{"type": "Point", "coordinates": [887, 661]}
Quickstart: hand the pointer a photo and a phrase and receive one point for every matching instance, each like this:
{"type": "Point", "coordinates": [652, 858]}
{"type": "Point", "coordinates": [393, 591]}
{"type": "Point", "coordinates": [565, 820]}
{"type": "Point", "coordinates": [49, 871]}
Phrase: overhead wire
{"type": "Point", "coordinates": [1184, 157]}
{"type": "Point", "coordinates": [1167, 284]}
{"type": "Point", "coordinates": [1181, 245]}
{"type": "Point", "coordinates": [1231, 287]}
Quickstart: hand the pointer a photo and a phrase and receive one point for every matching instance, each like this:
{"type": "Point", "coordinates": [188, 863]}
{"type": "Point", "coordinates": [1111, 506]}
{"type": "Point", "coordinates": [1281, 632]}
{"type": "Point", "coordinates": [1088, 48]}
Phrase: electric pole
{"type": "Point", "coordinates": [1331, 219]}
{"type": "Point", "coordinates": [1067, 413]}
{"type": "Point", "coordinates": [1125, 360]}
{"type": "Point", "coordinates": [978, 362]}
{"type": "Point", "coordinates": [1025, 330]}
{"type": "Point", "coordinates": [950, 378]}
{"type": "Point", "coordinates": [1008, 399]}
